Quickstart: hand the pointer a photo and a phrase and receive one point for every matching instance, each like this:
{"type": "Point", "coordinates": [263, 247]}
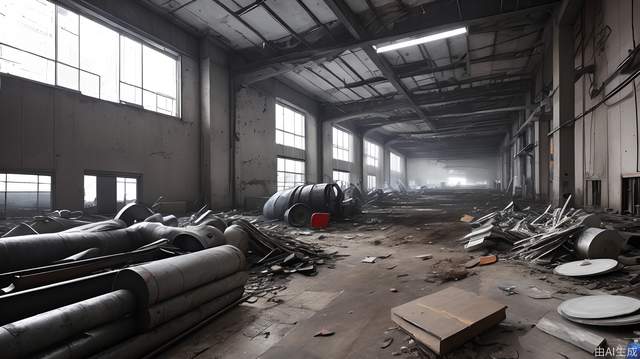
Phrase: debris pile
{"type": "Point", "coordinates": [551, 236]}
{"type": "Point", "coordinates": [128, 286]}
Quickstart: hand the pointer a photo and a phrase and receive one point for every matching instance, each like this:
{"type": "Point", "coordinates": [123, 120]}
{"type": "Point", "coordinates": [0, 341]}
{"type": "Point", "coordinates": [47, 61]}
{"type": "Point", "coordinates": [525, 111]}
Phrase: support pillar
{"type": "Point", "coordinates": [563, 169]}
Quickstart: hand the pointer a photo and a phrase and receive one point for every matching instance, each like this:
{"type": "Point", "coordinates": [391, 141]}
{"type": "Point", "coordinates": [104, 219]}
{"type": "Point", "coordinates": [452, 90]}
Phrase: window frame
{"type": "Point", "coordinates": [343, 185]}
{"type": "Point", "coordinates": [50, 174]}
{"type": "Point", "coordinates": [122, 32]}
{"type": "Point", "coordinates": [375, 182]}
{"type": "Point", "coordinates": [285, 172]}
{"type": "Point", "coordinates": [338, 148]}
{"type": "Point", "coordinates": [304, 125]}
{"type": "Point", "coordinates": [391, 169]}
{"type": "Point", "coordinates": [375, 158]}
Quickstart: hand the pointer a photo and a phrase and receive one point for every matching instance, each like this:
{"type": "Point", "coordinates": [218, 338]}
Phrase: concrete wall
{"type": "Point", "coordinates": [431, 173]}
{"type": "Point", "coordinates": [606, 140]}
{"type": "Point", "coordinates": [255, 148]}
{"type": "Point", "coordinates": [61, 132]}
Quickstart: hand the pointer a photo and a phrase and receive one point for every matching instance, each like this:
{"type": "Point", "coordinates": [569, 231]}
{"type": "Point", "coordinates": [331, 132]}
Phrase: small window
{"type": "Point", "coordinates": [371, 182]}
{"type": "Point", "coordinates": [290, 173]}
{"type": "Point", "coordinates": [371, 154]}
{"type": "Point", "coordinates": [342, 144]}
{"type": "Point", "coordinates": [90, 191]}
{"type": "Point", "coordinates": [394, 161]}
{"type": "Point", "coordinates": [341, 178]}
{"type": "Point", "coordinates": [126, 190]}
{"type": "Point", "coordinates": [290, 127]}
{"type": "Point", "coordinates": [24, 194]}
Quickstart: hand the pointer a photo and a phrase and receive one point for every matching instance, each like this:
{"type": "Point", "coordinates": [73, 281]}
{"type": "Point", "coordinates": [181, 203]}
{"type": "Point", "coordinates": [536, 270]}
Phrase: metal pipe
{"type": "Point", "coordinates": [30, 335]}
{"type": "Point", "coordinates": [139, 345]}
{"type": "Point", "coordinates": [159, 280]}
{"type": "Point", "coordinates": [30, 302]}
{"type": "Point", "coordinates": [93, 341]}
{"type": "Point", "coordinates": [174, 307]}
{"type": "Point", "coordinates": [42, 249]}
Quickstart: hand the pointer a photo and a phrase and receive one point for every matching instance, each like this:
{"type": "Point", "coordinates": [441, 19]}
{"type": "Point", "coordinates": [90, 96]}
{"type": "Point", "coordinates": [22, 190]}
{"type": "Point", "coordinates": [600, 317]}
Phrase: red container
{"type": "Point", "coordinates": [319, 220]}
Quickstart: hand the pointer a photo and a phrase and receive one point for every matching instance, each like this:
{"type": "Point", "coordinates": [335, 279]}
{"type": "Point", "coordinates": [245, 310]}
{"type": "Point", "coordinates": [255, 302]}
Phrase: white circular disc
{"type": "Point", "coordinates": [598, 306]}
{"type": "Point", "coordinates": [586, 267]}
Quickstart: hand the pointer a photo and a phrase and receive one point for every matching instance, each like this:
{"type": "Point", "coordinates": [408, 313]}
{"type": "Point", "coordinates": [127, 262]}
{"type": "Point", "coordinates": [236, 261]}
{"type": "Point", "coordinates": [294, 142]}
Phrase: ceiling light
{"type": "Point", "coordinates": [421, 40]}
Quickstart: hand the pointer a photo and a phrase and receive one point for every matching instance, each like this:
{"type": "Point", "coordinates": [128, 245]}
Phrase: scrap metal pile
{"type": "Point", "coordinates": [559, 235]}
{"type": "Point", "coordinates": [127, 286]}
{"type": "Point", "coordinates": [296, 205]}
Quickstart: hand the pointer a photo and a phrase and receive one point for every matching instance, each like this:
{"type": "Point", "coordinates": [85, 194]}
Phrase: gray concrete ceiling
{"type": "Point", "coordinates": [323, 48]}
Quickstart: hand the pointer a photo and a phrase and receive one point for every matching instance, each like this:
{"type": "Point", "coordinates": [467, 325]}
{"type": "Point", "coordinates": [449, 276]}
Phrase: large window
{"type": "Point", "coordinates": [289, 127]}
{"type": "Point", "coordinates": [90, 191]}
{"type": "Point", "coordinates": [290, 173]}
{"type": "Point", "coordinates": [394, 162]}
{"type": "Point", "coordinates": [342, 144]}
{"type": "Point", "coordinates": [341, 178]}
{"type": "Point", "coordinates": [24, 194]}
{"type": "Point", "coordinates": [371, 154]}
{"type": "Point", "coordinates": [372, 182]}
{"type": "Point", "coordinates": [48, 43]}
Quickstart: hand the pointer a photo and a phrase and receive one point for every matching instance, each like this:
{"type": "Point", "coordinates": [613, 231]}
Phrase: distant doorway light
{"type": "Point", "coordinates": [421, 40]}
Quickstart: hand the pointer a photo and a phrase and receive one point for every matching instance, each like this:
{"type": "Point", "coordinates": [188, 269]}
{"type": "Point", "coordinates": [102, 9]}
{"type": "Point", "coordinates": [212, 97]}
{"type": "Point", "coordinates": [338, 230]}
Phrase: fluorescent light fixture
{"type": "Point", "coordinates": [422, 40]}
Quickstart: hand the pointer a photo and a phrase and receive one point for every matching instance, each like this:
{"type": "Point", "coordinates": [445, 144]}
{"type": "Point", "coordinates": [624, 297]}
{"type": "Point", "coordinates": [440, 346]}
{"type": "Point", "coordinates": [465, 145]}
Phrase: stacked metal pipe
{"type": "Point", "coordinates": [148, 304]}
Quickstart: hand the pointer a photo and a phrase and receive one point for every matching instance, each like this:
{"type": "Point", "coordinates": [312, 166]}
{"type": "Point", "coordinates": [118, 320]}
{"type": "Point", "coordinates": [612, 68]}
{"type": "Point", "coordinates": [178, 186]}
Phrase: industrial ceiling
{"type": "Point", "coordinates": [434, 99]}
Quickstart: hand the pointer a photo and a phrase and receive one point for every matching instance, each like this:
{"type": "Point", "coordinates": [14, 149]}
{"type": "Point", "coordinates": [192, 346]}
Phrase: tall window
{"type": "Point", "coordinates": [342, 144]}
{"type": "Point", "coordinates": [371, 153]}
{"type": "Point", "coordinates": [86, 57]}
{"type": "Point", "coordinates": [341, 178]}
{"type": "Point", "coordinates": [371, 182]}
{"type": "Point", "coordinates": [289, 127]}
{"type": "Point", "coordinates": [24, 194]}
{"type": "Point", "coordinates": [126, 190]}
{"type": "Point", "coordinates": [290, 173]}
{"type": "Point", "coordinates": [394, 162]}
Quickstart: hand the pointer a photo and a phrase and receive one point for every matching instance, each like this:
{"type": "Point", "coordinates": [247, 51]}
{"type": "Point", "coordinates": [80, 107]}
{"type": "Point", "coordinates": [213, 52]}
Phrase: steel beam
{"type": "Point", "coordinates": [292, 61]}
{"type": "Point", "coordinates": [350, 22]}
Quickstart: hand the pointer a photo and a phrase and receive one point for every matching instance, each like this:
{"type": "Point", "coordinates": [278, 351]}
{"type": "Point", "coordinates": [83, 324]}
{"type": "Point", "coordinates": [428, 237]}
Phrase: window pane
{"type": "Point", "coordinates": [130, 61]}
{"type": "Point", "coordinates": [28, 25]}
{"type": "Point", "coordinates": [279, 115]}
{"type": "Point", "coordinates": [68, 45]}
{"type": "Point", "coordinates": [159, 72]}
{"type": "Point", "coordinates": [89, 84]}
{"type": "Point", "coordinates": [99, 55]}
{"type": "Point", "coordinates": [68, 77]}
{"type": "Point", "coordinates": [90, 191]}
{"type": "Point", "coordinates": [26, 65]}
{"type": "Point", "coordinates": [130, 94]}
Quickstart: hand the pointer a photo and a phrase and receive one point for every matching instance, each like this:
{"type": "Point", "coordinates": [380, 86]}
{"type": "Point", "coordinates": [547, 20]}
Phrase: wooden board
{"type": "Point", "coordinates": [446, 319]}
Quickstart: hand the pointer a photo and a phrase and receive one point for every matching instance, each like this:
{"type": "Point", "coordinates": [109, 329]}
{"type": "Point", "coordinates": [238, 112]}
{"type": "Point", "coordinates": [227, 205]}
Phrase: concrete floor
{"type": "Point", "coordinates": [354, 301]}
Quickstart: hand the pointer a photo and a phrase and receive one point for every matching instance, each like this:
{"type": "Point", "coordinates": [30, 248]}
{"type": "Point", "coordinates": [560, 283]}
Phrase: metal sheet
{"type": "Point", "coordinates": [598, 307]}
{"type": "Point", "coordinates": [586, 267]}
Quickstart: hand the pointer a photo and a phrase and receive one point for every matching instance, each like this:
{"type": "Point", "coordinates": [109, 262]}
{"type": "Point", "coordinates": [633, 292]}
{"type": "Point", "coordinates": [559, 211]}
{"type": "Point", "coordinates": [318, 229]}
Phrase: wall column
{"type": "Point", "coordinates": [215, 125]}
{"type": "Point", "coordinates": [563, 110]}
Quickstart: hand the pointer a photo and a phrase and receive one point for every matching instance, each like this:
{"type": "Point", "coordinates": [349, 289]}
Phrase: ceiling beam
{"type": "Point", "coordinates": [292, 61]}
{"type": "Point", "coordinates": [360, 109]}
{"type": "Point", "coordinates": [351, 23]}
